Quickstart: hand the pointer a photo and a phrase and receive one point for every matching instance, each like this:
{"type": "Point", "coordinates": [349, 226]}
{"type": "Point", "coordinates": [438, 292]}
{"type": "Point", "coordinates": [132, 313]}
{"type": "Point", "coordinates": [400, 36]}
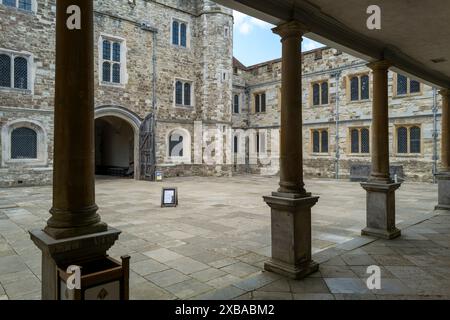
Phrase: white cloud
{"type": "Point", "coordinates": [309, 44]}
{"type": "Point", "coordinates": [245, 24]}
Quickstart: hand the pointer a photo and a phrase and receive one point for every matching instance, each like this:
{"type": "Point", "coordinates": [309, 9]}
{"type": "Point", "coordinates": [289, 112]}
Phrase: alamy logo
{"type": "Point", "coordinates": [74, 20]}
{"type": "Point", "coordinates": [374, 21]}
{"type": "Point", "coordinates": [374, 281]}
{"type": "Point", "coordinates": [74, 280]}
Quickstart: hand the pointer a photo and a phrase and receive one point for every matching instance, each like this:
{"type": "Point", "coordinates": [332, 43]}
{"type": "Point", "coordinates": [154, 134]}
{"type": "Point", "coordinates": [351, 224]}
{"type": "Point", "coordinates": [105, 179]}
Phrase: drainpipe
{"type": "Point", "coordinates": [435, 135]}
{"type": "Point", "coordinates": [337, 115]}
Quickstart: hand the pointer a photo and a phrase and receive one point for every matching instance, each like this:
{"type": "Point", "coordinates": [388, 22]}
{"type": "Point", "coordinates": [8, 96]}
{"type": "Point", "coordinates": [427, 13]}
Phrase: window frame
{"type": "Point", "coordinates": [16, 7]}
{"type": "Point", "coordinates": [123, 61]}
{"type": "Point", "coordinates": [350, 141]}
{"type": "Point", "coordinates": [192, 97]}
{"type": "Point", "coordinates": [349, 89]}
{"type": "Point", "coordinates": [320, 83]}
{"type": "Point", "coordinates": [408, 137]}
{"type": "Point", "coordinates": [259, 94]}
{"type": "Point", "coordinates": [408, 87]}
{"type": "Point", "coordinates": [238, 95]}
{"type": "Point", "coordinates": [41, 143]}
{"type": "Point", "coordinates": [30, 72]}
{"type": "Point", "coordinates": [320, 130]}
{"type": "Point", "coordinates": [188, 32]}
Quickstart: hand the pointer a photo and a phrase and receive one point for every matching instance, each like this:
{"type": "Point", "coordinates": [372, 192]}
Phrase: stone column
{"type": "Point", "coordinates": [380, 188]}
{"type": "Point", "coordinates": [74, 234]}
{"type": "Point", "coordinates": [443, 176]}
{"type": "Point", "coordinates": [291, 205]}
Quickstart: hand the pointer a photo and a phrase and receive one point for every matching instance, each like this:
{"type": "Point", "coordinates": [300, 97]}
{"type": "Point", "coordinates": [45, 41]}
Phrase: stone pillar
{"type": "Point", "coordinates": [74, 234]}
{"type": "Point", "coordinates": [380, 188]}
{"type": "Point", "coordinates": [443, 176]}
{"type": "Point", "coordinates": [291, 205]}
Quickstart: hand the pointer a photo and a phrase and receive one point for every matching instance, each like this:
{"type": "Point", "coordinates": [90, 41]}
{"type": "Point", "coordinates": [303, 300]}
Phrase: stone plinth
{"type": "Point", "coordinates": [70, 251]}
{"type": "Point", "coordinates": [381, 210]}
{"type": "Point", "coordinates": [291, 235]}
{"type": "Point", "coordinates": [443, 179]}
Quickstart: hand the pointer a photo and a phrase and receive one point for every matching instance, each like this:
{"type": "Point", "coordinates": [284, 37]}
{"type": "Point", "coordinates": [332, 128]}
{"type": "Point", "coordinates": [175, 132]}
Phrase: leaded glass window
{"type": "Point", "coordinates": [236, 144]}
{"type": "Point", "coordinates": [263, 102]}
{"type": "Point", "coordinates": [355, 140]}
{"type": "Point", "coordinates": [414, 134]}
{"type": "Point", "coordinates": [236, 103]}
{"type": "Point", "coordinates": [23, 144]}
{"type": "Point", "coordinates": [183, 35]}
{"type": "Point", "coordinates": [414, 86]}
{"type": "Point", "coordinates": [25, 5]}
{"type": "Point", "coordinates": [116, 73]}
{"type": "Point", "coordinates": [106, 72]}
{"type": "Point", "coordinates": [5, 71]}
{"type": "Point", "coordinates": [324, 89]}
{"type": "Point", "coordinates": [175, 32]}
{"type": "Point", "coordinates": [187, 94]}
{"type": "Point", "coordinates": [316, 141]}
{"type": "Point", "coordinates": [402, 140]}
{"type": "Point", "coordinates": [402, 84]}
{"type": "Point", "coordinates": [316, 94]}
{"type": "Point", "coordinates": [9, 3]}
{"type": "Point", "coordinates": [20, 73]}
{"type": "Point", "coordinates": [365, 141]}
{"type": "Point", "coordinates": [364, 87]}
{"type": "Point", "coordinates": [179, 93]}
{"type": "Point", "coordinates": [324, 141]}
{"type": "Point", "coordinates": [354, 89]}
{"type": "Point", "coordinates": [112, 59]}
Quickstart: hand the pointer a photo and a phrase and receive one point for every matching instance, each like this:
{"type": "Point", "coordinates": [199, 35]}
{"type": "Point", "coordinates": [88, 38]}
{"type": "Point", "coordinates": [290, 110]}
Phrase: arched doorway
{"type": "Point", "coordinates": [114, 147]}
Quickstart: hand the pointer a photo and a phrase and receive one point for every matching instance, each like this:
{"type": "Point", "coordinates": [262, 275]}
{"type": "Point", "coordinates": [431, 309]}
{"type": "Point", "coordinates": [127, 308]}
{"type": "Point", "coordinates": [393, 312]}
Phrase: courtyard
{"type": "Point", "coordinates": [215, 243]}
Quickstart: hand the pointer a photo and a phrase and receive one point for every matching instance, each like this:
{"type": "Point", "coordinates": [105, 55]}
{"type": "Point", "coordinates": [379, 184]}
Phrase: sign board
{"type": "Point", "coordinates": [169, 197]}
{"type": "Point", "coordinates": [158, 176]}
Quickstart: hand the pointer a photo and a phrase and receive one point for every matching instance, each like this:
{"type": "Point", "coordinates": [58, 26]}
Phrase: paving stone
{"type": "Point", "coordinates": [309, 285]}
{"type": "Point", "coordinates": [257, 281]}
{"type": "Point", "coordinates": [261, 295]}
{"type": "Point", "coordinates": [240, 269]}
{"type": "Point", "coordinates": [187, 265]}
{"type": "Point", "coordinates": [227, 293]}
{"type": "Point", "coordinates": [358, 259]}
{"type": "Point", "coordinates": [346, 285]}
{"type": "Point", "coordinates": [208, 274]}
{"type": "Point", "coordinates": [167, 278]}
{"type": "Point", "coordinates": [11, 264]}
{"type": "Point", "coordinates": [224, 281]}
{"type": "Point", "coordinates": [188, 289]}
{"type": "Point", "coordinates": [149, 291]}
{"type": "Point", "coordinates": [162, 255]}
{"type": "Point", "coordinates": [336, 271]}
{"type": "Point", "coordinates": [281, 285]}
{"type": "Point", "coordinates": [313, 296]}
{"type": "Point", "coordinates": [22, 287]}
{"type": "Point", "coordinates": [3, 297]}
{"type": "Point", "coordinates": [391, 260]}
{"type": "Point", "coordinates": [392, 286]}
{"type": "Point", "coordinates": [147, 267]}
{"type": "Point", "coordinates": [222, 263]}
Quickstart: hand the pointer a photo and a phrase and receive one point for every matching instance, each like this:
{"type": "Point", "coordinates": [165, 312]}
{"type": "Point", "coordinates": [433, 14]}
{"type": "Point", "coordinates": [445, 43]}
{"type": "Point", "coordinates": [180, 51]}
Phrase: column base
{"type": "Point", "coordinates": [64, 233]}
{"type": "Point", "coordinates": [69, 251]}
{"type": "Point", "coordinates": [443, 179]}
{"type": "Point", "coordinates": [292, 271]}
{"type": "Point", "coordinates": [291, 234]}
{"type": "Point", "coordinates": [380, 210]}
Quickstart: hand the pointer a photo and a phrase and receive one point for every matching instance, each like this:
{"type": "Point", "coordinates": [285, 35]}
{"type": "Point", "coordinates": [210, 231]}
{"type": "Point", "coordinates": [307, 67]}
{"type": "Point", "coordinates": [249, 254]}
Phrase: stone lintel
{"type": "Point", "coordinates": [72, 250]}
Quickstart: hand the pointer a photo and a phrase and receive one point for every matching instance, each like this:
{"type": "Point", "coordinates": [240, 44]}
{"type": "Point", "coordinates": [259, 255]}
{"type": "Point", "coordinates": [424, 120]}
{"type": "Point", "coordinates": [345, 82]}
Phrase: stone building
{"type": "Point", "coordinates": [161, 66]}
{"type": "Point", "coordinates": [169, 96]}
{"type": "Point", "coordinates": [337, 106]}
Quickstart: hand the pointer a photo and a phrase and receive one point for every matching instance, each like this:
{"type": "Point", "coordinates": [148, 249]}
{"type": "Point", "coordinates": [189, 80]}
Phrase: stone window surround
{"type": "Point", "coordinates": [183, 81]}
{"type": "Point", "coordinates": [348, 87]}
{"type": "Point", "coordinates": [123, 60]}
{"type": "Point", "coordinates": [187, 143]}
{"type": "Point", "coordinates": [42, 153]}
{"type": "Point", "coordinates": [408, 94]}
{"type": "Point", "coordinates": [33, 6]}
{"type": "Point", "coordinates": [239, 102]}
{"type": "Point", "coordinates": [188, 34]}
{"type": "Point", "coordinates": [311, 93]}
{"type": "Point", "coordinates": [349, 141]}
{"type": "Point", "coordinates": [311, 145]}
{"type": "Point", "coordinates": [253, 102]}
{"type": "Point", "coordinates": [395, 142]}
{"type": "Point", "coordinates": [31, 70]}
{"type": "Point", "coordinates": [262, 142]}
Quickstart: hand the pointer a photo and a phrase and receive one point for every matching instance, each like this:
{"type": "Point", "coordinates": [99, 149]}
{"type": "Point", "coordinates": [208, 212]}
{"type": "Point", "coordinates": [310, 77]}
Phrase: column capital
{"type": "Point", "coordinates": [289, 29]}
{"type": "Point", "coordinates": [444, 92]}
{"type": "Point", "coordinates": [379, 65]}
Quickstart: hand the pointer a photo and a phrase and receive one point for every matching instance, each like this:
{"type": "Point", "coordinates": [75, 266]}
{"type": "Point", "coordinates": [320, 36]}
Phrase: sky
{"type": "Point", "coordinates": [254, 41]}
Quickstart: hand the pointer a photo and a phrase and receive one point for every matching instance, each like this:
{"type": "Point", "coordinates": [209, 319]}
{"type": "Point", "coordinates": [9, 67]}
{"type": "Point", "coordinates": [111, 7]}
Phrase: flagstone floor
{"type": "Point", "coordinates": [213, 246]}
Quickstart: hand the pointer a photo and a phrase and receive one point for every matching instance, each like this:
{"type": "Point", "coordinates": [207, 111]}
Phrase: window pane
{"type": "Point", "coordinates": [176, 145]}
{"type": "Point", "coordinates": [355, 141]}
{"type": "Point", "coordinates": [106, 72]}
{"type": "Point", "coordinates": [183, 35]}
{"type": "Point", "coordinates": [106, 50]}
{"type": "Point", "coordinates": [257, 105]}
{"type": "Point", "coordinates": [354, 88]}
{"type": "Point", "coordinates": [402, 84]}
{"type": "Point", "coordinates": [187, 94]}
{"type": "Point", "coordinates": [236, 104]}
{"type": "Point", "coordinates": [5, 71]}
{"type": "Point", "coordinates": [316, 141]}
{"type": "Point", "coordinates": [116, 73]}
{"type": "Point", "coordinates": [116, 51]}
{"type": "Point", "coordinates": [20, 73]}
{"type": "Point", "coordinates": [324, 141]}
{"type": "Point", "coordinates": [25, 4]}
{"type": "Point", "coordinates": [23, 144]}
{"type": "Point", "coordinates": [415, 140]}
{"type": "Point", "coordinates": [365, 87]}
{"type": "Point", "coordinates": [263, 102]}
{"type": "Point", "coordinates": [9, 3]}
{"type": "Point", "coordinates": [236, 145]}
{"type": "Point", "coordinates": [325, 93]}
{"type": "Point", "coordinates": [414, 86]}
{"type": "Point", "coordinates": [175, 32]}
{"type": "Point", "coordinates": [402, 140]}
{"type": "Point", "coordinates": [365, 141]}
{"type": "Point", "coordinates": [316, 94]}
{"type": "Point", "coordinates": [179, 93]}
